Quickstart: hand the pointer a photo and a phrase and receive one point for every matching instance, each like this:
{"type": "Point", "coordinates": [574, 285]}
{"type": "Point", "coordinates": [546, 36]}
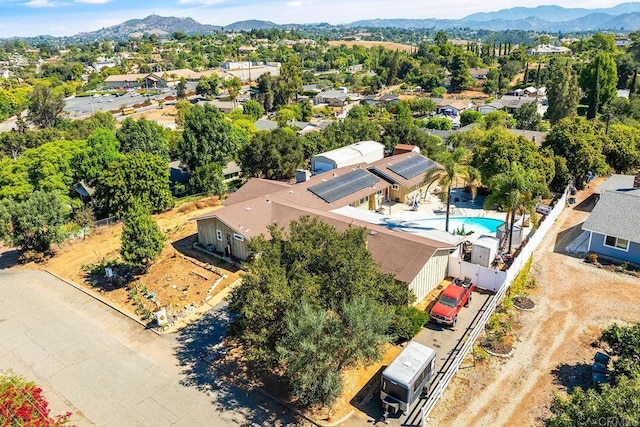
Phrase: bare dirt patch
{"type": "Point", "coordinates": [554, 342]}
{"type": "Point", "coordinates": [181, 280]}
{"type": "Point", "coordinates": [369, 44]}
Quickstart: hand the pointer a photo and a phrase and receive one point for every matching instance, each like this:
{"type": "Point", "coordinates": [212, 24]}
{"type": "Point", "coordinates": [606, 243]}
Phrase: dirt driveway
{"type": "Point", "coordinates": [554, 349]}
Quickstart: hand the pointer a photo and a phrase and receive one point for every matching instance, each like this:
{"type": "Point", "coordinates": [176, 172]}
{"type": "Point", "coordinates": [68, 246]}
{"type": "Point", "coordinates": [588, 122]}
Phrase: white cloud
{"type": "Point", "coordinates": [43, 3]}
{"type": "Point", "coordinates": [93, 1]}
{"type": "Point", "coordinates": [295, 3]}
{"type": "Point", "coordinates": [204, 2]}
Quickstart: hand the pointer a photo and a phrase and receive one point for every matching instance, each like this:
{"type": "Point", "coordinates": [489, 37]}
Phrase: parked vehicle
{"type": "Point", "coordinates": [451, 301]}
{"type": "Point", "coordinates": [404, 380]}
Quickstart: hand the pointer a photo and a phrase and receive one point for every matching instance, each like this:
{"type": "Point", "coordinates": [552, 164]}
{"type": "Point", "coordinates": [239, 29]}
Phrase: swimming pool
{"type": "Point", "coordinates": [478, 225]}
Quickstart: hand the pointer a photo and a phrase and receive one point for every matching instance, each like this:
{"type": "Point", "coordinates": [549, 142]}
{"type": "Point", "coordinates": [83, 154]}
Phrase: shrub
{"type": "Point", "coordinates": [592, 258]}
{"type": "Point", "coordinates": [407, 322]}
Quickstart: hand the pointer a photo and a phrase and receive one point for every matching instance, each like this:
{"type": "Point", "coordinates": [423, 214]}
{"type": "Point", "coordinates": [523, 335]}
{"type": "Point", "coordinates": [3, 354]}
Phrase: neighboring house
{"type": "Point", "coordinates": [547, 49]}
{"type": "Point", "coordinates": [479, 73]}
{"type": "Point", "coordinates": [513, 103]}
{"type": "Point", "coordinates": [614, 222]}
{"type": "Point", "coordinates": [453, 107]}
{"type": "Point", "coordinates": [85, 191]}
{"type": "Point", "coordinates": [118, 81]}
{"type": "Point", "coordinates": [405, 174]}
{"type": "Point", "coordinates": [360, 152]}
{"type": "Point", "coordinates": [419, 262]}
{"type": "Point", "coordinates": [532, 135]}
{"type": "Point", "coordinates": [355, 68]}
{"type": "Point", "coordinates": [335, 98]}
{"type": "Point", "coordinates": [405, 148]}
{"type": "Point", "coordinates": [490, 107]}
{"type": "Point", "coordinates": [231, 171]}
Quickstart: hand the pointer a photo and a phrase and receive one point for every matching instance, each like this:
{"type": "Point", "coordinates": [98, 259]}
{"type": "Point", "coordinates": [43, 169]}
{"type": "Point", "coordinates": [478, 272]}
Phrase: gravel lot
{"type": "Point", "coordinates": [554, 349]}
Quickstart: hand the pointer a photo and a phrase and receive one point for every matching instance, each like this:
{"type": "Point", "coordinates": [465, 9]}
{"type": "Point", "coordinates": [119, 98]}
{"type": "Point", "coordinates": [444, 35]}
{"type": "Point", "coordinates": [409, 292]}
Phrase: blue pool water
{"type": "Point", "coordinates": [476, 224]}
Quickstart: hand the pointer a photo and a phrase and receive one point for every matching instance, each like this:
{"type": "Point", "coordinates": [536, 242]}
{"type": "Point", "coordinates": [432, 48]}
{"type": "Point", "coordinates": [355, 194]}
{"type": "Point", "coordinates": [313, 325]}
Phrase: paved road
{"type": "Point", "coordinates": [107, 370]}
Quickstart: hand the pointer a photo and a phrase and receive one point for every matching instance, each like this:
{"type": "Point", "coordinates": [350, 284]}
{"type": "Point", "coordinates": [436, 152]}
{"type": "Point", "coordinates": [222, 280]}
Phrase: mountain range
{"type": "Point", "coordinates": [623, 17]}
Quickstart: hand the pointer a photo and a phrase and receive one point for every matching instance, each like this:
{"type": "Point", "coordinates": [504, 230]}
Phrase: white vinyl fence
{"type": "Point", "coordinates": [499, 282]}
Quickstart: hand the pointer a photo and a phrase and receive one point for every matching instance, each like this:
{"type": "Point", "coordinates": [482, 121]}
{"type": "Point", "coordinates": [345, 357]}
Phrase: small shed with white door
{"type": "Point", "coordinates": [484, 250]}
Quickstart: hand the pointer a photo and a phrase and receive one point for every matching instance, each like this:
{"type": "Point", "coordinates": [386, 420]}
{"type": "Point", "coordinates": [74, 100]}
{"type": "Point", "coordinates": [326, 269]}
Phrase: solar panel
{"type": "Point", "coordinates": [413, 166]}
{"type": "Point", "coordinates": [343, 185]}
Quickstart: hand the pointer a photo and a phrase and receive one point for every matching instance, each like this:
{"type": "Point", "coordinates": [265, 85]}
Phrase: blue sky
{"type": "Point", "coordinates": [68, 17]}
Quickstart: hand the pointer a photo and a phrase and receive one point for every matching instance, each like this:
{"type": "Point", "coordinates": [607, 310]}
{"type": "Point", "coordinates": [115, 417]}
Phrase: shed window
{"type": "Point", "coordinates": [238, 237]}
{"type": "Point", "coordinates": [219, 234]}
{"type": "Point", "coordinates": [616, 243]}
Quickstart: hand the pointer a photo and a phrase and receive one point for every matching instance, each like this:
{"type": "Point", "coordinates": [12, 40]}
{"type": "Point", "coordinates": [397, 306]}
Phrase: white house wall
{"type": "Point", "coordinates": [431, 274]}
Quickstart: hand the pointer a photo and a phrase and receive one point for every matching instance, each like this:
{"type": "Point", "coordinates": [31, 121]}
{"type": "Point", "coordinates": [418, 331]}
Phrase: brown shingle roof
{"type": "Point", "coordinates": [255, 187]}
{"type": "Point", "coordinates": [260, 203]}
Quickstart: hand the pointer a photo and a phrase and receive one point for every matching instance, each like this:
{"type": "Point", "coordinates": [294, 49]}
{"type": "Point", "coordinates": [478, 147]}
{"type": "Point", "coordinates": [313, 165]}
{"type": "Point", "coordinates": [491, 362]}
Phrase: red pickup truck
{"type": "Point", "coordinates": [451, 300]}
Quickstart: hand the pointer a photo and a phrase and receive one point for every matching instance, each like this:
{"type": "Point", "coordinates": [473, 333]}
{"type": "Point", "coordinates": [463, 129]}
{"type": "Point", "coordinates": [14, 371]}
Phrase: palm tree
{"type": "Point", "coordinates": [453, 166]}
{"type": "Point", "coordinates": [514, 190]}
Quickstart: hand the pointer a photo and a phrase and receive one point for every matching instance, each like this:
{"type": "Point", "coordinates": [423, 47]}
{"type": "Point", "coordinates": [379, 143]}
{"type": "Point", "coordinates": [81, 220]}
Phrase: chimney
{"type": "Point", "coordinates": [636, 180]}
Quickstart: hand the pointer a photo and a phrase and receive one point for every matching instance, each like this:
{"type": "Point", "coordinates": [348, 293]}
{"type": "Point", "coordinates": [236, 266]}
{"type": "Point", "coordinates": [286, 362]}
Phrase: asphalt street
{"type": "Point", "coordinates": [109, 371]}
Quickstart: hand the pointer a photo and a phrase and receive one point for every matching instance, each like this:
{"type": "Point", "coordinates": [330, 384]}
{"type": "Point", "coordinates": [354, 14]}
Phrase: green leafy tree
{"type": "Point", "coordinates": [319, 344]}
{"type": "Point", "coordinates": [576, 140]}
{"type": "Point", "coordinates": [45, 106]}
{"type": "Point", "coordinates": [453, 166]}
{"type": "Point", "coordinates": [284, 116]}
{"type": "Point", "coordinates": [233, 86]}
{"type": "Point", "coordinates": [512, 190]}
{"type": "Point", "coordinates": [252, 109]}
{"type": "Point", "coordinates": [142, 240]}
{"type": "Point", "coordinates": [37, 222]}
{"type": "Point", "coordinates": [317, 264]}
{"type": "Point", "coordinates": [208, 179]}
{"type": "Point", "coordinates": [50, 167]}
{"type": "Point", "coordinates": [598, 80]}
{"type": "Point", "coordinates": [84, 218]}
{"type": "Point", "coordinates": [498, 118]}
{"type": "Point", "coordinates": [307, 111]}
{"type": "Point", "coordinates": [622, 148]}
{"type": "Point", "coordinates": [563, 91]}
{"type": "Point", "coordinates": [497, 149]}
{"type": "Point", "coordinates": [470, 116]}
{"type": "Point", "coordinates": [272, 155]}
{"type": "Point", "coordinates": [265, 95]}
{"type": "Point", "coordinates": [208, 86]}
{"type": "Point", "coordinates": [208, 138]}
{"type": "Point", "coordinates": [527, 117]}
{"type": "Point", "coordinates": [441, 123]}
{"type": "Point", "coordinates": [181, 89]}
{"type": "Point", "coordinates": [407, 132]}
{"type": "Point", "coordinates": [460, 75]}
{"type": "Point", "coordinates": [103, 148]}
{"type": "Point", "coordinates": [135, 179]}
{"type": "Point", "coordinates": [144, 136]}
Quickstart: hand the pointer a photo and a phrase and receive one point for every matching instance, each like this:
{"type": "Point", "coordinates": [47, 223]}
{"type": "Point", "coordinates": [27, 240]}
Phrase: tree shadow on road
{"type": "Point", "coordinates": [572, 376]}
{"type": "Point", "coordinates": [200, 349]}
{"type": "Point", "coordinates": [9, 258]}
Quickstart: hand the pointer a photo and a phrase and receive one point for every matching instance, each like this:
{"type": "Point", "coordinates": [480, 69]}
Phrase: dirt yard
{"type": "Point", "coordinates": [181, 280]}
{"type": "Point", "coordinates": [555, 346]}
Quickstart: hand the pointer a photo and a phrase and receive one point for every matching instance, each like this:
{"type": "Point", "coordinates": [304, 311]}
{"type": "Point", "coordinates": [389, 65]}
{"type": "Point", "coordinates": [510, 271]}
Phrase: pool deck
{"type": "Point", "coordinates": [429, 208]}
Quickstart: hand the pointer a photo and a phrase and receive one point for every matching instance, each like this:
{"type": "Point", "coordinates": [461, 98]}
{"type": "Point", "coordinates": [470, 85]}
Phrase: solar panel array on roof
{"type": "Point", "coordinates": [343, 185]}
{"type": "Point", "coordinates": [413, 166]}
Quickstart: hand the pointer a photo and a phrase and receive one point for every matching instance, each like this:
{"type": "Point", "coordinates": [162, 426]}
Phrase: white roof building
{"type": "Point", "coordinates": [363, 151]}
